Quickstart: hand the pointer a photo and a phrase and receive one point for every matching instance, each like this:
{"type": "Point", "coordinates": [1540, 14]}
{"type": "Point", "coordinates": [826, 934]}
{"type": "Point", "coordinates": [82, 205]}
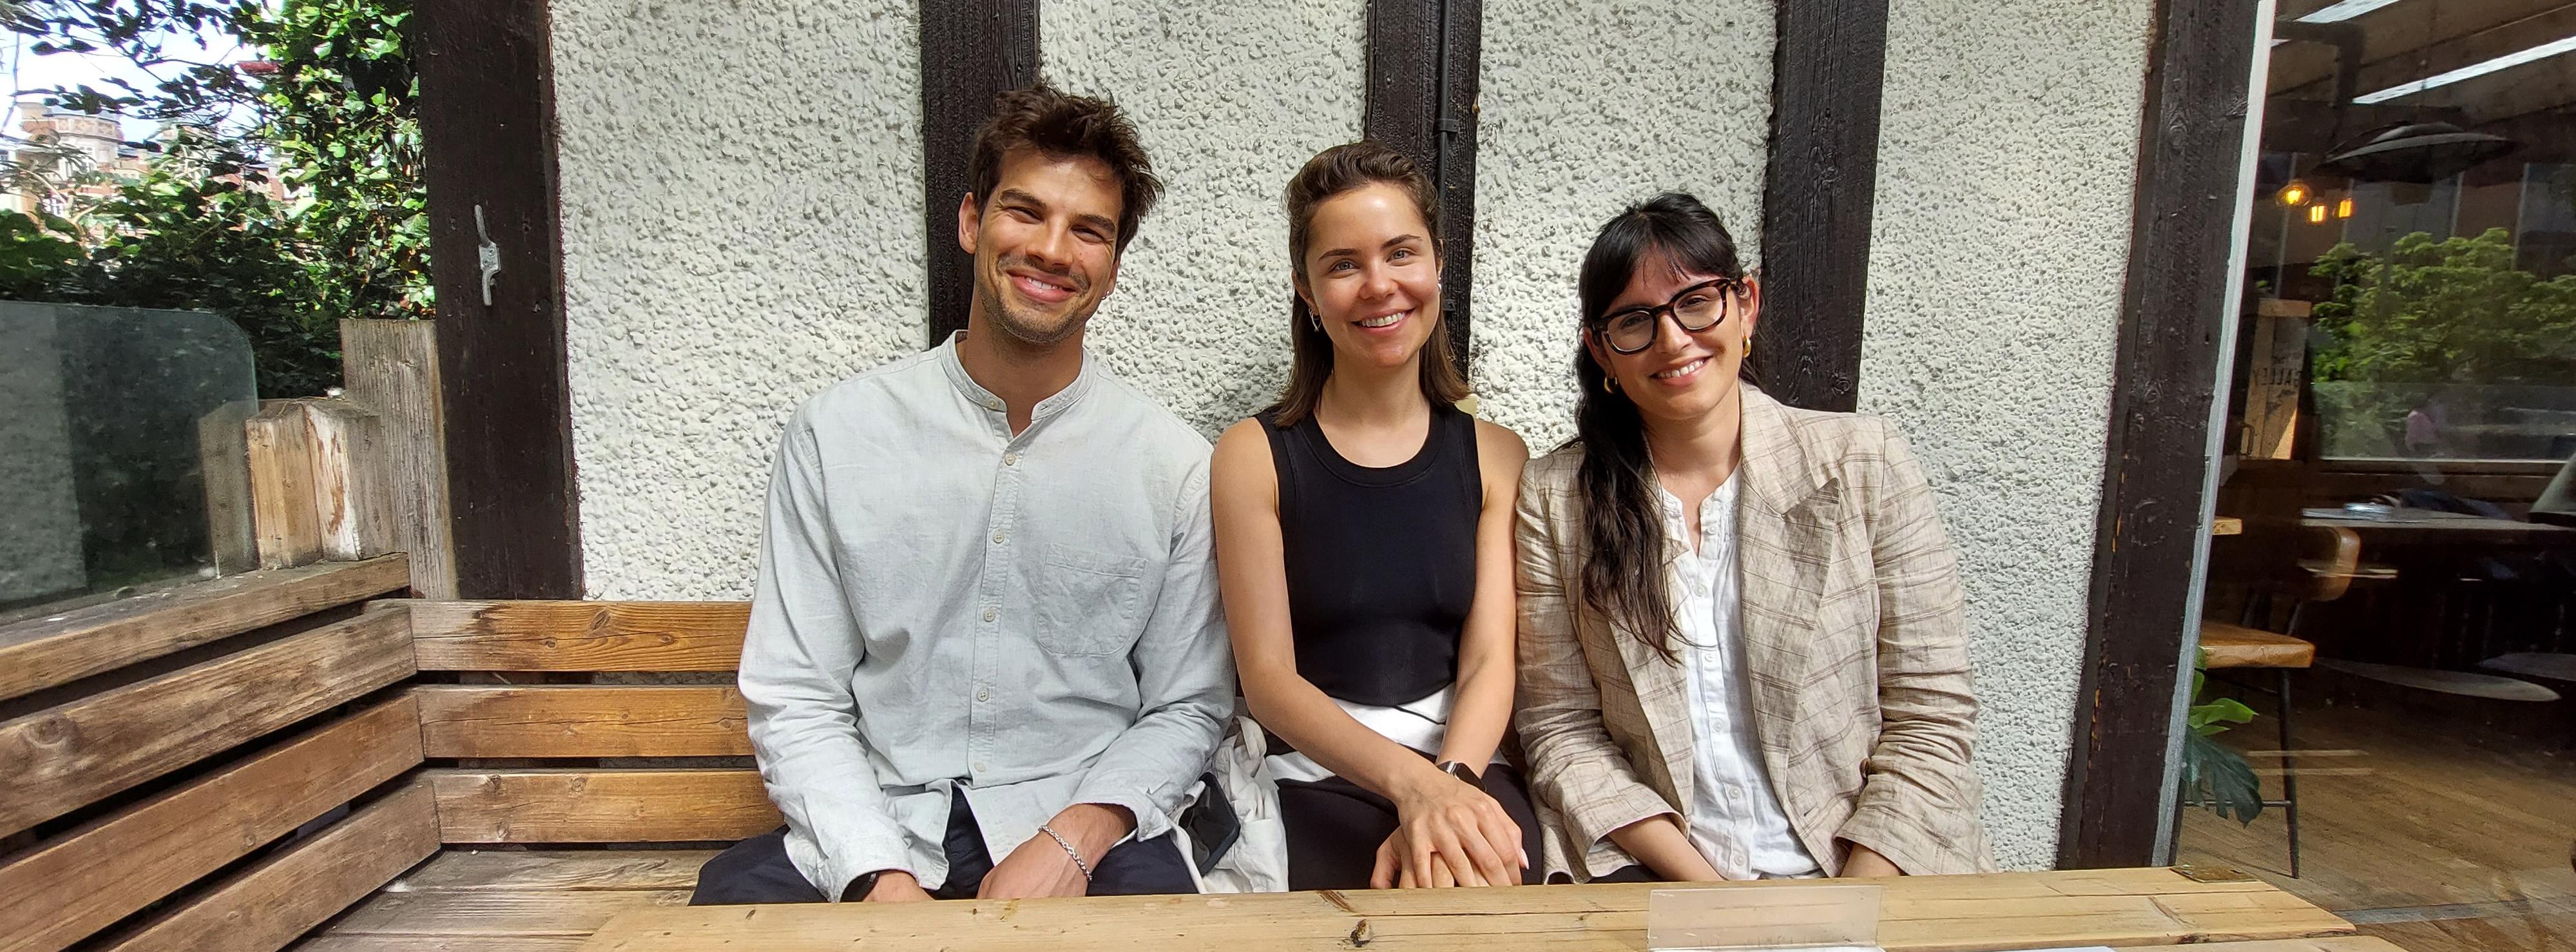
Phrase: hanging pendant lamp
{"type": "Point", "coordinates": [2418, 152]}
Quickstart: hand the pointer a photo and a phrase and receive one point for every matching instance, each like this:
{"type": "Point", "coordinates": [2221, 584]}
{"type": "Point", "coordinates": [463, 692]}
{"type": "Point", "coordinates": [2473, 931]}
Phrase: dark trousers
{"type": "Point", "coordinates": [1334, 828]}
{"type": "Point", "coordinates": [757, 870]}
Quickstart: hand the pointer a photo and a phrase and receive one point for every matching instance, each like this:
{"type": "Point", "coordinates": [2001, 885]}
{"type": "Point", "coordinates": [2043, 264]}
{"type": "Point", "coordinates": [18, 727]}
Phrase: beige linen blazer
{"type": "Point", "coordinates": [1856, 652]}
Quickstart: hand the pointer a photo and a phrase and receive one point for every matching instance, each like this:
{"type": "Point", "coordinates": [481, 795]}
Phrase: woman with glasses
{"type": "Point", "coordinates": [1363, 534]}
{"type": "Point", "coordinates": [1743, 652]}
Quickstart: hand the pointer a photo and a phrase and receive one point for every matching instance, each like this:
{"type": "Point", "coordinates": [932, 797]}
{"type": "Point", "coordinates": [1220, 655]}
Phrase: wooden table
{"type": "Point", "coordinates": [2449, 528]}
{"type": "Point", "coordinates": [2120, 908]}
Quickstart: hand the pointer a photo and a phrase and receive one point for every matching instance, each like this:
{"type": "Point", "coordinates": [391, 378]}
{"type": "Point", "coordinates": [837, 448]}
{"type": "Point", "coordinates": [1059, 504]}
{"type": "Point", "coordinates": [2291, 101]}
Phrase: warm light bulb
{"type": "Point", "coordinates": [2343, 209]}
{"type": "Point", "coordinates": [2316, 214]}
{"type": "Point", "coordinates": [2294, 194]}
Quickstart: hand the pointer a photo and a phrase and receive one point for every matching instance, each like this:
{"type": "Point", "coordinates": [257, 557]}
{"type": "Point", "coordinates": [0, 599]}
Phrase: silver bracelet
{"type": "Point", "coordinates": [1068, 851]}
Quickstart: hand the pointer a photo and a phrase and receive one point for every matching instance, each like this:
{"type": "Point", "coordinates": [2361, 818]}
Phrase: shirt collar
{"type": "Point", "coordinates": [976, 394]}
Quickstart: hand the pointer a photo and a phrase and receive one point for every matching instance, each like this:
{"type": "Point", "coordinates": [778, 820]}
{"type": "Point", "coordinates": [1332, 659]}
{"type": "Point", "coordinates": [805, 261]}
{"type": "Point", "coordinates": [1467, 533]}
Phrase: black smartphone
{"type": "Point", "coordinates": [1211, 824]}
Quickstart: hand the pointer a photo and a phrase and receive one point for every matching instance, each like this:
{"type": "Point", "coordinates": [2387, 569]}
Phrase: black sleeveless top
{"type": "Point", "coordinates": [1381, 561]}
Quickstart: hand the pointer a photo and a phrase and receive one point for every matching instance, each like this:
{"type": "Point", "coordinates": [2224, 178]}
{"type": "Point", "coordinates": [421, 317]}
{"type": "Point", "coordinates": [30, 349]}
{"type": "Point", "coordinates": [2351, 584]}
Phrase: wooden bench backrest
{"type": "Point", "coordinates": [150, 743]}
{"type": "Point", "coordinates": [550, 738]}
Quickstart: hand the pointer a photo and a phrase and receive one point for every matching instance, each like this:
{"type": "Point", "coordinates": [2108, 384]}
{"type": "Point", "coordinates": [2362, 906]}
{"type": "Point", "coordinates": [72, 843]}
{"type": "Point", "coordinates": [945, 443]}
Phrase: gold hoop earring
{"type": "Point", "coordinates": [1609, 384]}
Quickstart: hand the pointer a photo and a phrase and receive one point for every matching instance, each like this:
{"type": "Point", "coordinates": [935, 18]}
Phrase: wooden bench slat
{"type": "Point", "coordinates": [498, 914]}
{"type": "Point", "coordinates": [40, 653]}
{"type": "Point", "coordinates": [582, 720]}
{"type": "Point", "coordinates": [445, 943]}
{"type": "Point", "coordinates": [89, 878]}
{"type": "Point", "coordinates": [579, 635]}
{"type": "Point", "coordinates": [267, 906]}
{"type": "Point", "coordinates": [64, 757]}
{"type": "Point", "coordinates": [523, 870]}
{"type": "Point", "coordinates": [601, 806]}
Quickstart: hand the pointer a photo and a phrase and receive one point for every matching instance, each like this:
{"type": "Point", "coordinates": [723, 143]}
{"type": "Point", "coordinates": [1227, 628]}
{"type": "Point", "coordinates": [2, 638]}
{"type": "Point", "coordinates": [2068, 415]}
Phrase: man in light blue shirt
{"type": "Point", "coordinates": [985, 655]}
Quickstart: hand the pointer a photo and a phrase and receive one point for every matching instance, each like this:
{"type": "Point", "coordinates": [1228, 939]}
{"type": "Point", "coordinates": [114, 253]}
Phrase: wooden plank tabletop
{"type": "Point", "coordinates": [2122, 907]}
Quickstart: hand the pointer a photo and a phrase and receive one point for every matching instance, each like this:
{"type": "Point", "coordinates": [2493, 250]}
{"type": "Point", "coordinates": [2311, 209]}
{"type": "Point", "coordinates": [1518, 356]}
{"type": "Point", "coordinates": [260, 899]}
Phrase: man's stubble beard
{"type": "Point", "coordinates": [1019, 327]}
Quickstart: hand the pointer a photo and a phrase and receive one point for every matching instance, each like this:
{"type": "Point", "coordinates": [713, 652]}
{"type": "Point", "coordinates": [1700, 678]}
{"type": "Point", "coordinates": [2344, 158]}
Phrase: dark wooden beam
{"type": "Point", "coordinates": [1826, 72]}
{"type": "Point", "coordinates": [488, 141]}
{"type": "Point", "coordinates": [2150, 536]}
{"type": "Point", "coordinates": [971, 52]}
{"type": "Point", "coordinates": [1423, 59]}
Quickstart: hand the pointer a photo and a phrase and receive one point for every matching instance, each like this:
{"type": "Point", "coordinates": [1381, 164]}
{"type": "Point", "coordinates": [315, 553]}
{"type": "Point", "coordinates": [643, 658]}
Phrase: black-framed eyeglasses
{"type": "Point", "coordinates": [1697, 308]}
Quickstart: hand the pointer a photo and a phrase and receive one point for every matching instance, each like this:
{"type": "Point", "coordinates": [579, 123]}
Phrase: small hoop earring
{"type": "Point", "coordinates": [1316, 320]}
{"type": "Point", "coordinates": [1609, 384]}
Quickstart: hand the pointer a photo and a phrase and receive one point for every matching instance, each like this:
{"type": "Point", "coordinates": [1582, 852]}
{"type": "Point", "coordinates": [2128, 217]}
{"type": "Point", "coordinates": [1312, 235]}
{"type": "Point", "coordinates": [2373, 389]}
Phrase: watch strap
{"type": "Point", "coordinates": [861, 887]}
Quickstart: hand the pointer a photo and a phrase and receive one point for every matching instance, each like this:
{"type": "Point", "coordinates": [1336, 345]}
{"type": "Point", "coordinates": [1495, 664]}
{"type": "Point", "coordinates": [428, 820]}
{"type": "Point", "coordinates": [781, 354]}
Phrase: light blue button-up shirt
{"type": "Point", "coordinates": [946, 608]}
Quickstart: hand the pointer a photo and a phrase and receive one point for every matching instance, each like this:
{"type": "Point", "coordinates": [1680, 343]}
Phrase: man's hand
{"type": "Point", "coordinates": [895, 885]}
{"type": "Point", "coordinates": [1041, 868]}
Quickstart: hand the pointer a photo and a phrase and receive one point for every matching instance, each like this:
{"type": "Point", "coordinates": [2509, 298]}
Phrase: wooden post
{"type": "Point", "coordinates": [317, 483]}
{"type": "Point", "coordinates": [224, 468]}
{"type": "Point", "coordinates": [283, 518]}
{"type": "Point", "coordinates": [391, 367]}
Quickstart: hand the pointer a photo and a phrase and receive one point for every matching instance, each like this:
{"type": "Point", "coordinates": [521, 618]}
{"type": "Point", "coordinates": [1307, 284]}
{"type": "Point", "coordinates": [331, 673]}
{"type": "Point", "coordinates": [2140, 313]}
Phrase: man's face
{"type": "Point", "coordinates": [1045, 244]}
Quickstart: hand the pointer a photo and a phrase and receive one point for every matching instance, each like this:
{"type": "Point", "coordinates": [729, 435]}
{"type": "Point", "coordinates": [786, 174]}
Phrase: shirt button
{"type": "Point", "coordinates": [1010, 459]}
{"type": "Point", "coordinates": [983, 695]}
{"type": "Point", "coordinates": [979, 767]}
{"type": "Point", "coordinates": [992, 613]}
{"type": "Point", "coordinates": [998, 536]}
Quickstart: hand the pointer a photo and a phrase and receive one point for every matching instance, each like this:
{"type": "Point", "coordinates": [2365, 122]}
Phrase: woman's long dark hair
{"type": "Point", "coordinates": [1332, 172]}
{"type": "Point", "coordinates": [1623, 524]}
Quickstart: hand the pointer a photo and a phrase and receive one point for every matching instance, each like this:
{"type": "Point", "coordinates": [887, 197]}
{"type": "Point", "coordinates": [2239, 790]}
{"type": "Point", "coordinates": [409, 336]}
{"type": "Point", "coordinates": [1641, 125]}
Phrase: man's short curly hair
{"type": "Point", "coordinates": [1059, 125]}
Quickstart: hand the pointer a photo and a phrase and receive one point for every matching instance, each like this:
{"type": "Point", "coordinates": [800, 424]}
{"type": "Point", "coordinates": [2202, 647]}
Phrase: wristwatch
{"type": "Point", "coordinates": [1462, 772]}
{"type": "Point", "coordinates": [861, 887]}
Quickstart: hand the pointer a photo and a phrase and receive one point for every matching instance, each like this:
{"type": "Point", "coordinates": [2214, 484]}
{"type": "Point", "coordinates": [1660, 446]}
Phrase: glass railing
{"type": "Point", "coordinates": [121, 459]}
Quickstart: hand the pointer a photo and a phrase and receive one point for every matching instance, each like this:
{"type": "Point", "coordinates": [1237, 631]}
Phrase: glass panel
{"type": "Point", "coordinates": [2390, 628]}
{"type": "Point", "coordinates": [121, 458]}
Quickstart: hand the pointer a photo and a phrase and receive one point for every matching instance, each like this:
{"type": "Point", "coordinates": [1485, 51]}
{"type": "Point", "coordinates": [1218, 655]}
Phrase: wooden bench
{"type": "Point", "coordinates": [542, 842]}
{"type": "Point", "coordinates": [283, 760]}
{"type": "Point", "coordinates": [232, 764]}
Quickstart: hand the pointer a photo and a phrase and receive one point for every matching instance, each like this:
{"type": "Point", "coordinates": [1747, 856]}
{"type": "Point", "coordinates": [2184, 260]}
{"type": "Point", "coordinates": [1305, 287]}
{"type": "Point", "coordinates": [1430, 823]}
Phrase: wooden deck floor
{"type": "Point", "coordinates": [2435, 841]}
{"type": "Point", "coordinates": [505, 901]}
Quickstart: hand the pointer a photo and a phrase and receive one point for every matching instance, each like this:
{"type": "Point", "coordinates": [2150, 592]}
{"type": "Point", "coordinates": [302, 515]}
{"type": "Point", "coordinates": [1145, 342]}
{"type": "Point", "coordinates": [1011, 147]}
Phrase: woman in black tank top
{"type": "Point", "coordinates": [1364, 544]}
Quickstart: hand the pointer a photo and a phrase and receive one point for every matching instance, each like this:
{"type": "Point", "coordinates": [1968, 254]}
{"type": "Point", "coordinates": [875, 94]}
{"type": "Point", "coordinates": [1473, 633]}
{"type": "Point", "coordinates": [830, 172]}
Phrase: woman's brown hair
{"type": "Point", "coordinates": [1333, 172]}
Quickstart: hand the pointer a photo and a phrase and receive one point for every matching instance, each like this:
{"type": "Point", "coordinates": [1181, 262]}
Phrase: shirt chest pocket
{"type": "Point", "coordinates": [1089, 603]}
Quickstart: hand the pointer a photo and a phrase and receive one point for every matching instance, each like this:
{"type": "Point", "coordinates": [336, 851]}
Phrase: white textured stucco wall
{"type": "Point", "coordinates": [742, 226]}
{"type": "Point", "coordinates": [1230, 99]}
{"type": "Point", "coordinates": [2008, 142]}
{"type": "Point", "coordinates": [1586, 108]}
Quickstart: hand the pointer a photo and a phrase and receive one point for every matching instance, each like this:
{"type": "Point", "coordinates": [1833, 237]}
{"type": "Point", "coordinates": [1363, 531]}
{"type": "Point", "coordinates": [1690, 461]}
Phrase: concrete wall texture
{"type": "Point", "coordinates": [2007, 145]}
{"type": "Point", "coordinates": [1584, 109]}
{"type": "Point", "coordinates": [743, 226]}
{"type": "Point", "coordinates": [1231, 99]}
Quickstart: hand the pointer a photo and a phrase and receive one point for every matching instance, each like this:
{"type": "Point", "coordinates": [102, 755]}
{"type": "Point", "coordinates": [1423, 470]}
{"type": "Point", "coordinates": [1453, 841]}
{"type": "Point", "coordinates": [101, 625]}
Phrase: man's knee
{"type": "Point", "coordinates": [1143, 868]}
{"type": "Point", "coordinates": [755, 870]}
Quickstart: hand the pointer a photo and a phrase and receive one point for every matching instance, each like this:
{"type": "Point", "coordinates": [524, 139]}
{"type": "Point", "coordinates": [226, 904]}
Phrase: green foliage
{"type": "Point", "coordinates": [344, 122]}
{"type": "Point", "coordinates": [34, 254]}
{"type": "Point", "coordinates": [337, 115]}
{"type": "Point", "coordinates": [2212, 775]}
{"type": "Point", "coordinates": [2450, 311]}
